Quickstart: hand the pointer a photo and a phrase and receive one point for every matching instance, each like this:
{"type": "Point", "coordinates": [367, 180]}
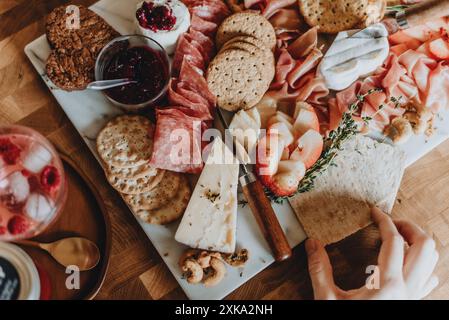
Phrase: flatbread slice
{"type": "Point", "coordinates": [366, 173]}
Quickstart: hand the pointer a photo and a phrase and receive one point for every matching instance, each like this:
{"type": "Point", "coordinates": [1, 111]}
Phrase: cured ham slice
{"type": "Point", "coordinates": [282, 14]}
{"type": "Point", "coordinates": [177, 142]}
{"type": "Point", "coordinates": [295, 79]}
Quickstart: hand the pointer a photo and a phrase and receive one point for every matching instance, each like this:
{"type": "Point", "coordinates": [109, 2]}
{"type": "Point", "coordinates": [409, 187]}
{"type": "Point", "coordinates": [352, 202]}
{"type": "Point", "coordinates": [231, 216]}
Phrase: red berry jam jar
{"type": "Point", "coordinates": [140, 59]}
{"type": "Point", "coordinates": [32, 183]}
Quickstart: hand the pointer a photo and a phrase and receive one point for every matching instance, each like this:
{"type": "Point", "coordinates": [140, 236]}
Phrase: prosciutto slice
{"type": "Point", "coordinates": [295, 78]}
{"type": "Point", "coordinates": [283, 15]}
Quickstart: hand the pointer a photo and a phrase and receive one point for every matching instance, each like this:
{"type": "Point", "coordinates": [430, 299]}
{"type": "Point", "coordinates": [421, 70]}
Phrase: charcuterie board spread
{"type": "Point", "coordinates": [326, 116]}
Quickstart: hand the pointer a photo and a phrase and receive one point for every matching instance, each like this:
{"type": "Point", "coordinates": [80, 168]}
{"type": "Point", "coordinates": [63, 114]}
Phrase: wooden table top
{"type": "Point", "coordinates": [136, 270]}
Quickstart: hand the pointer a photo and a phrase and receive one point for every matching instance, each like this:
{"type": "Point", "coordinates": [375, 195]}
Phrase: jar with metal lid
{"type": "Point", "coordinates": [19, 277]}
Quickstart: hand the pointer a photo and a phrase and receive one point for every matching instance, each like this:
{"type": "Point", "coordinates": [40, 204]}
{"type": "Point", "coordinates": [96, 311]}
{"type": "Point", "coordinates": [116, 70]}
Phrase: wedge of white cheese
{"type": "Point", "coordinates": [209, 221]}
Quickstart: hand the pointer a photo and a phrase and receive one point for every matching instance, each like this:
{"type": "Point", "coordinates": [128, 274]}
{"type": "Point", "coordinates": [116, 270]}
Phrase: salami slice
{"type": "Point", "coordinates": [185, 50]}
{"type": "Point", "coordinates": [177, 142]}
{"type": "Point", "coordinates": [205, 27]}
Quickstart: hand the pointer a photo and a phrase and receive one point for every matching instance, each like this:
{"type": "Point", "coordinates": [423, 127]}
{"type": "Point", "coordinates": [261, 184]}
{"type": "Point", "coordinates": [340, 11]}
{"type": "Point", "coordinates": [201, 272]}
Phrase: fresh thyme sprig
{"type": "Point", "coordinates": [397, 8]}
{"type": "Point", "coordinates": [332, 145]}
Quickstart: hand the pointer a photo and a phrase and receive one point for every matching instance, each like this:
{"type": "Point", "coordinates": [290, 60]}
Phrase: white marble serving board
{"type": "Point", "coordinates": [89, 111]}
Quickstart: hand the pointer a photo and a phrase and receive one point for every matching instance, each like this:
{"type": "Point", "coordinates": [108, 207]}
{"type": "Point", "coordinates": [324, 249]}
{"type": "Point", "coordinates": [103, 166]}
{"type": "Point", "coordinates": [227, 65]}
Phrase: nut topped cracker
{"type": "Point", "coordinates": [92, 32]}
{"type": "Point", "coordinates": [72, 61]}
{"type": "Point", "coordinates": [248, 23]}
{"type": "Point", "coordinates": [126, 142]}
{"type": "Point", "coordinates": [333, 16]}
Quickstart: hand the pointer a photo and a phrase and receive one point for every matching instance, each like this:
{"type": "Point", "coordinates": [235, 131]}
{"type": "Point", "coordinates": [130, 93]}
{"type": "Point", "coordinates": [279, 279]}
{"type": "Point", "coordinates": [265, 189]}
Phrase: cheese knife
{"type": "Point", "coordinates": [260, 206]}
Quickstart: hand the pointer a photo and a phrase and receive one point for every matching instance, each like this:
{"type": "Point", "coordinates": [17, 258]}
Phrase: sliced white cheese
{"type": "Point", "coordinates": [209, 221]}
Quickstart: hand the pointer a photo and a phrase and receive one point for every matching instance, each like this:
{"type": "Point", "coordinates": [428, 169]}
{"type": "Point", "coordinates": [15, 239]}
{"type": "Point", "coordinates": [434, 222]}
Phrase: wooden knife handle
{"type": "Point", "coordinates": [266, 218]}
{"type": "Point", "coordinates": [426, 11]}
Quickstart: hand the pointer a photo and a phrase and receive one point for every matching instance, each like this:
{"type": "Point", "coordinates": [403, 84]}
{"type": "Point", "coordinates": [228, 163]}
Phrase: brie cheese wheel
{"type": "Point", "coordinates": [168, 38]}
{"type": "Point", "coordinates": [352, 57]}
{"type": "Point", "coordinates": [210, 219]}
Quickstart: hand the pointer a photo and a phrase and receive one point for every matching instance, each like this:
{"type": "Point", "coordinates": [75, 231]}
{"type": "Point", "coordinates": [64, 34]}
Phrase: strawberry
{"type": "Point", "coordinates": [305, 119]}
{"type": "Point", "coordinates": [50, 178]}
{"type": "Point", "coordinates": [285, 181]}
{"type": "Point", "coordinates": [309, 148]}
{"type": "Point", "coordinates": [18, 225]}
{"type": "Point", "coordinates": [3, 230]}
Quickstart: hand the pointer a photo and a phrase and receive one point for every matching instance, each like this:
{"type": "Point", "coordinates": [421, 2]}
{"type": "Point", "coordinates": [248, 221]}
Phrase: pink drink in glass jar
{"type": "Point", "coordinates": [32, 183]}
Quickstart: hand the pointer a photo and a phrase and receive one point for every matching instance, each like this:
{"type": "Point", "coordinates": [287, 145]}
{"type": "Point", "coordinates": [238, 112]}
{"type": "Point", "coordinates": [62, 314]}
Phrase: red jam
{"type": "Point", "coordinates": [155, 18]}
{"type": "Point", "coordinates": [143, 64]}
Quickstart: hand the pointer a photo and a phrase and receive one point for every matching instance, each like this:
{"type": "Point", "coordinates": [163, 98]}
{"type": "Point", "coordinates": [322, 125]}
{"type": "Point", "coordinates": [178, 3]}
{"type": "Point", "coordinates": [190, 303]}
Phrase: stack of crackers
{"type": "Point", "coordinates": [243, 69]}
{"type": "Point", "coordinates": [75, 48]}
{"type": "Point", "coordinates": [125, 147]}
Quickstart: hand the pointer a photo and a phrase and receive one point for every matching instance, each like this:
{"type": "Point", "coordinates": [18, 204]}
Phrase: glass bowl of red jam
{"type": "Point", "coordinates": [33, 186]}
{"type": "Point", "coordinates": [138, 58]}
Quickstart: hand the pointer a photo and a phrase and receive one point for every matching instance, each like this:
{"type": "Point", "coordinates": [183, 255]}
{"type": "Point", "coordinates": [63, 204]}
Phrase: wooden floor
{"type": "Point", "coordinates": [136, 270]}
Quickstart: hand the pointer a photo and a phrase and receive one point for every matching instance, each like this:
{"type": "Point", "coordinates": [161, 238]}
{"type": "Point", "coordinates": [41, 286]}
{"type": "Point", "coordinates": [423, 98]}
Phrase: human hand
{"type": "Point", "coordinates": [404, 272]}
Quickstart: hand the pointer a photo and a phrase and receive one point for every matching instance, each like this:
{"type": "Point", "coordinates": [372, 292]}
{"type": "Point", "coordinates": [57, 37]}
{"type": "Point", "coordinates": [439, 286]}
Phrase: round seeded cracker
{"type": "Point", "coordinates": [125, 142]}
{"type": "Point", "coordinates": [172, 210]}
{"type": "Point", "coordinates": [237, 79]}
{"type": "Point", "coordinates": [262, 54]}
{"type": "Point", "coordinates": [132, 173]}
{"type": "Point", "coordinates": [136, 186]}
{"type": "Point", "coordinates": [333, 16]}
{"type": "Point", "coordinates": [248, 23]}
{"type": "Point", "coordinates": [158, 196]}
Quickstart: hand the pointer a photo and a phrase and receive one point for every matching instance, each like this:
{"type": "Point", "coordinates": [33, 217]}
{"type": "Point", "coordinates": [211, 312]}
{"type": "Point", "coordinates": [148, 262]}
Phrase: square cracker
{"type": "Point", "coordinates": [367, 173]}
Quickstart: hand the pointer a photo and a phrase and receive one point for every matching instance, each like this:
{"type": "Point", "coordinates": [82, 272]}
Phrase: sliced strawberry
{"type": "Point", "coordinates": [305, 119]}
{"type": "Point", "coordinates": [284, 132]}
{"type": "Point", "coordinates": [285, 181]}
{"type": "Point", "coordinates": [439, 48]}
{"type": "Point", "coordinates": [3, 230]}
{"type": "Point", "coordinates": [309, 148]}
{"type": "Point", "coordinates": [280, 116]}
{"type": "Point", "coordinates": [18, 225]}
{"type": "Point", "coordinates": [269, 153]}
